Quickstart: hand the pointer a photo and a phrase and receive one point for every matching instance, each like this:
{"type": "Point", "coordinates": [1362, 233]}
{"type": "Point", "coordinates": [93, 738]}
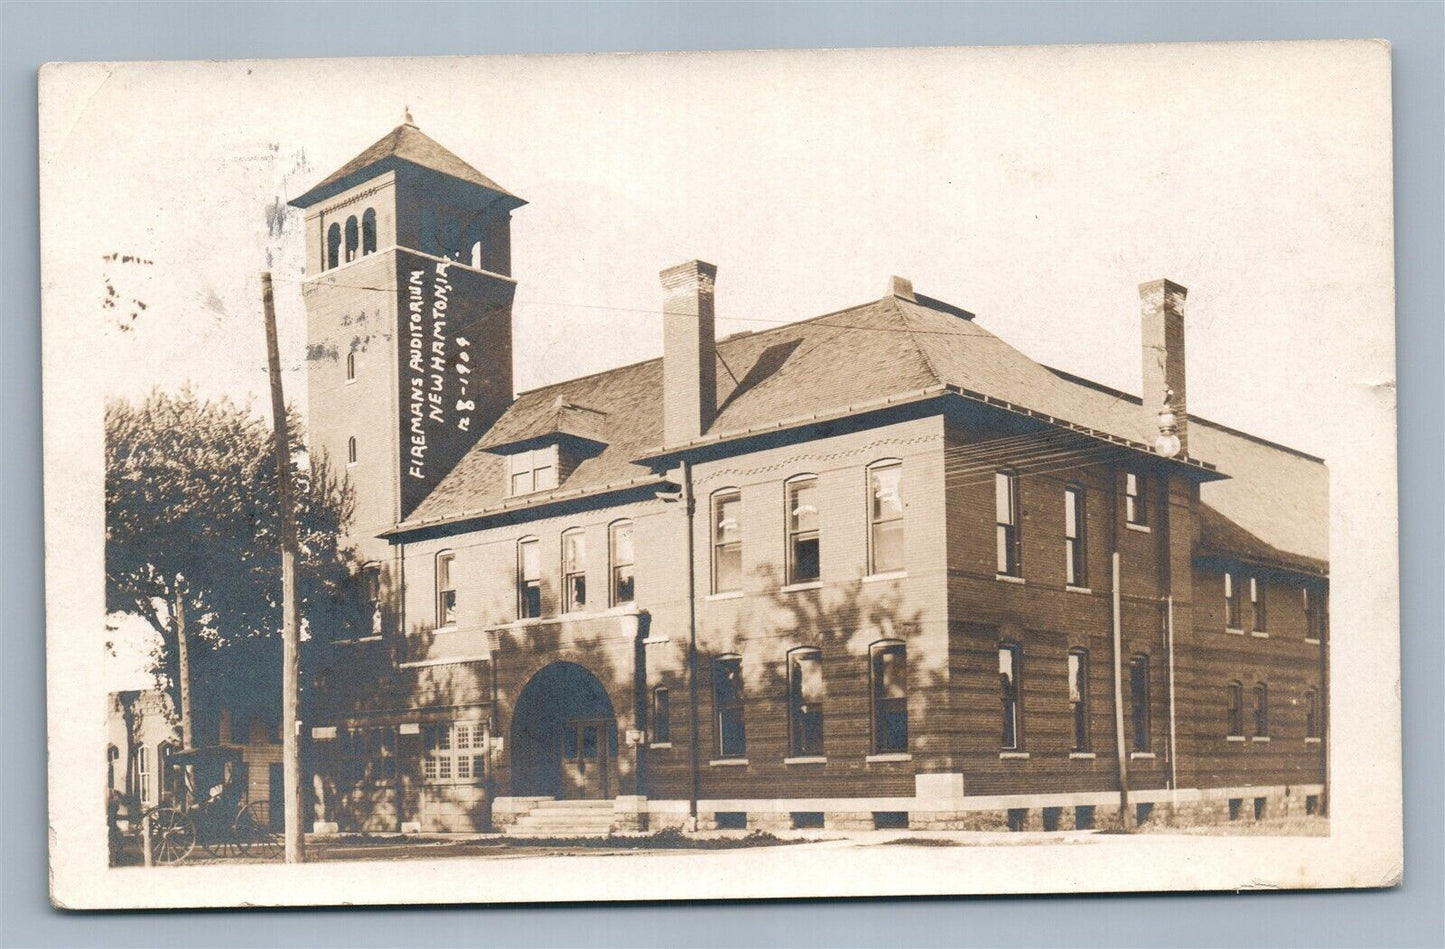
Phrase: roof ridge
{"type": "Point", "coordinates": [913, 338]}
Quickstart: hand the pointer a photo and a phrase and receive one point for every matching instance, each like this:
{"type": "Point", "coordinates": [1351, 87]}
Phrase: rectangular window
{"type": "Point", "coordinates": [727, 692]}
{"type": "Point", "coordinates": [727, 542]}
{"type": "Point", "coordinates": [368, 755]}
{"type": "Point", "coordinates": [1315, 605]}
{"type": "Point", "coordinates": [1136, 501]}
{"type": "Point", "coordinates": [805, 701]}
{"type": "Point", "coordinates": [534, 470]}
{"type": "Point", "coordinates": [446, 590]}
{"type": "Point", "coordinates": [885, 518]}
{"type": "Point", "coordinates": [1006, 507]}
{"type": "Point", "coordinates": [1256, 603]}
{"type": "Point", "coordinates": [1261, 711]}
{"type": "Point", "coordinates": [1231, 603]}
{"type": "Point", "coordinates": [1312, 713]}
{"type": "Point", "coordinates": [143, 773]}
{"type": "Point", "coordinates": [890, 698]}
{"type": "Point", "coordinates": [1139, 701]}
{"type": "Point", "coordinates": [1010, 662]}
{"type": "Point", "coordinates": [661, 716]}
{"type": "Point", "coordinates": [574, 571]}
{"type": "Point", "coordinates": [454, 752]}
{"type": "Point", "coordinates": [529, 579]}
{"type": "Point", "coordinates": [1075, 549]}
{"type": "Point", "coordinates": [803, 556]}
{"type": "Point", "coordinates": [1079, 697]}
{"type": "Point", "coordinates": [1236, 710]}
{"type": "Point", "coordinates": [621, 555]}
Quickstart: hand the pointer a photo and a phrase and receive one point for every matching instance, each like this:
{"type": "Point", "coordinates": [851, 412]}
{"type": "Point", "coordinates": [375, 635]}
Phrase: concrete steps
{"type": "Point", "coordinates": [565, 819]}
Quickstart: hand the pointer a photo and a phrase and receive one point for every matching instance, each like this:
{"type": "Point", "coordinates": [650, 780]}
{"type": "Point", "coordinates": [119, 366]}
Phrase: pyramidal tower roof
{"type": "Point", "coordinates": [404, 145]}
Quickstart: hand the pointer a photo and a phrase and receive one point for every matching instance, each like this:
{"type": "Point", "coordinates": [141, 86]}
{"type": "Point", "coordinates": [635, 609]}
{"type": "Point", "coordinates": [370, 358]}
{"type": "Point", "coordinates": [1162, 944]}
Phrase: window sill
{"type": "Point", "coordinates": [1261, 738]}
{"type": "Point", "coordinates": [656, 640]}
{"type": "Point", "coordinates": [1258, 634]}
{"type": "Point", "coordinates": [660, 745]}
{"type": "Point", "coordinates": [1082, 756]}
{"type": "Point", "coordinates": [449, 628]}
{"type": "Point", "coordinates": [806, 759]}
{"type": "Point", "coordinates": [1013, 756]}
{"type": "Point", "coordinates": [1312, 642]}
{"type": "Point", "coordinates": [889, 575]}
{"type": "Point", "coordinates": [728, 763]}
{"type": "Point", "coordinates": [724, 595]}
{"type": "Point", "coordinates": [1141, 528]}
{"type": "Point", "coordinates": [1008, 578]}
{"type": "Point", "coordinates": [889, 756]}
{"type": "Point", "coordinates": [797, 587]}
{"type": "Point", "coordinates": [357, 641]}
{"type": "Point", "coordinates": [1141, 756]}
{"type": "Point", "coordinates": [1073, 589]}
{"type": "Point", "coordinates": [1234, 738]}
{"type": "Point", "coordinates": [1234, 632]}
{"type": "Point", "coordinates": [1311, 741]}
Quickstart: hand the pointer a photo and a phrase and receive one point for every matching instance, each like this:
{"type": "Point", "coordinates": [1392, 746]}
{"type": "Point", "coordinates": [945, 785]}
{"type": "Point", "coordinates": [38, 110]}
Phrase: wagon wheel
{"type": "Point", "coordinates": [223, 841]}
{"type": "Point", "coordinates": [173, 835]}
{"type": "Point", "coordinates": [252, 831]}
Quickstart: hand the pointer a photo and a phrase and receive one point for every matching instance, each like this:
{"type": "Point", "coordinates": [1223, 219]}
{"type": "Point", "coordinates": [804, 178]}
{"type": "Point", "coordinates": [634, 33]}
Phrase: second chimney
{"type": "Point", "coordinates": [1161, 306]}
{"type": "Point", "coordinates": [689, 352]}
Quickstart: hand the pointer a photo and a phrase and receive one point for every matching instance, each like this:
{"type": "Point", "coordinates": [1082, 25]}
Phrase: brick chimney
{"type": "Point", "coordinates": [689, 352]}
{"type": "Point", "coordinates": [1161, 310]}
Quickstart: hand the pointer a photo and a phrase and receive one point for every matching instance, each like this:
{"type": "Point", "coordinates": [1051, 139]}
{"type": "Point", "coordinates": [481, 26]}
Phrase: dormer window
{"type": "Point", "coordinates": [534, 470]}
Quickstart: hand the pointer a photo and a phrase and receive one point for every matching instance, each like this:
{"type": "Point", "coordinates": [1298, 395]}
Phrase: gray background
{"type": "Point", "coordinates": [1411, 915]}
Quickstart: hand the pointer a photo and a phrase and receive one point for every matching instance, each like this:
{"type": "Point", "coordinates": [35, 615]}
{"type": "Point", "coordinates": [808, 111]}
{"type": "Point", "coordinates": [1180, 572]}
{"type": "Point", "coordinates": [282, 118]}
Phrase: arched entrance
{"type": "Point", "coordinates": [564, 736]}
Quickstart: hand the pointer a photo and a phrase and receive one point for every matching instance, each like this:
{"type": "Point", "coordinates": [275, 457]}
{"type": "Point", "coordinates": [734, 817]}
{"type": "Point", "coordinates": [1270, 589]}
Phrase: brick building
{"type": "Point", "coordinates": [876, 568]}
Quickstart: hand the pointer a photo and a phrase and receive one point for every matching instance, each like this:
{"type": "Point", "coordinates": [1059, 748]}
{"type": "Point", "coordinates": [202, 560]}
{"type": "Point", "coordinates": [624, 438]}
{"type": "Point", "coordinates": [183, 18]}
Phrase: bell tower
{"type": "Point", "coordinates": [408, 294]}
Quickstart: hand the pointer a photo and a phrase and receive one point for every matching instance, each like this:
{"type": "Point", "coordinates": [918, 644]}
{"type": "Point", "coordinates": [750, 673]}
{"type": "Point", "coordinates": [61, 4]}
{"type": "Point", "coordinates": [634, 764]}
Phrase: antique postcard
{"type": "Point", "coordinates": [720, 475]}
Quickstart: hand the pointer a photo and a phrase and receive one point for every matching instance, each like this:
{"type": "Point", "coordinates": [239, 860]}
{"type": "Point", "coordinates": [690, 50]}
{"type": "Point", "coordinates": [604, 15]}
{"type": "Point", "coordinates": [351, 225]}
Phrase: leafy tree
{"type": "Point", "coordinates": [192, 543]}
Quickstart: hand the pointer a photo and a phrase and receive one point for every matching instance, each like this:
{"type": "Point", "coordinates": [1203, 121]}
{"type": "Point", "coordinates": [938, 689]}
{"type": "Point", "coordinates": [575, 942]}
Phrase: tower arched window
{"type": "Point", "coordinates": [333, 246]}
{"type": "Point", "coordinates": [351, 450]}
{"type": "Point", "coordinates": [353, 238]}
{"type": "Point", "coordinates": [368, 232]}
{"type": "Point", "coordinates": [351, 367]}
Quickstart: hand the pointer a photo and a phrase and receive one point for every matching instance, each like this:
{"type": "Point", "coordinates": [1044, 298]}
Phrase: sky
{"type": "Point", "coordinates": [1036, 188]}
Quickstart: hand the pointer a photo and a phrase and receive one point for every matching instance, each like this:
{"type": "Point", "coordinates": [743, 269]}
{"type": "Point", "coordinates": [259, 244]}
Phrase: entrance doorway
{"type": "Point", "coordinates": [564, 736]}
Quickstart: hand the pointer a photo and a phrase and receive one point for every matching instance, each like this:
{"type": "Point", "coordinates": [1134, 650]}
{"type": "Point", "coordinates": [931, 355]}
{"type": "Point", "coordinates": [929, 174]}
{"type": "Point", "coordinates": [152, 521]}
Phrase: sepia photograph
{"type": "Point", "coordinates": [720, 475]}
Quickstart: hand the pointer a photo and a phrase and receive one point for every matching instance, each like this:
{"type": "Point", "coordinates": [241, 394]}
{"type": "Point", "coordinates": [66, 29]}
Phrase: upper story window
{"type": "Point", "coordinates": [351, 367]}
{"type": "Point", "coordinates": [1256, 603]}
{"type": "Point", "coordinates": [727, 541]}
{"type": "Point", "coordinates": [803, 556]}
{"type": "Point", "coordinates": [1079, 697]}
{"type": "Point", "coordinates": [112, 755]}
{"type": "Point", "coordinates": [333, 246]}
{"type": "Point", "coordinates": [1312, 713]}
{"type": "Point", "coordinates": [1261, 710]}
{"type": "Point", "coordinates": [351, 450]}
{"type": "Point", "coordinates": [727, 691]}
{"type": "Point", "coordinates": [368, 232]}
{"type": "Point", "coordinates": [353, 238]}
{"type": "Point", "coordinates": [1006, 514]}
{"type": "Point", "coordinates": [1010, 679]}
{"type": "Point", "coordinates": [1136, 499]}
{"type": "Point", "coordinates": [1139, 701]}
{"type": "Point", "coordinates": [446, 589]}
{"type": "Point", "coordinates": [621, 557]}
{"type": "Point", "coordinates": [805, 702]}
{"type": "Point", "coordinates": [534, 470]}
{"type": "Point", "coordinates": [889, 669]}
{"type": "Point", "coordinates": [1315, 614]}
{"type": "Point", "coordinates": [885, 517]}
{"type": "Point", "coordinates": [1075, 549]}
{"type": "Point", "coordinates": [370, 578]}
{"type": "Point", "coordinates": [574, 570]}
{"type": "Point", "coordinates": [1236, 710]}
{"type": "Point", "coordinates": [1231, 602]}
{"type": "Point", "coordinates": [529, 578]}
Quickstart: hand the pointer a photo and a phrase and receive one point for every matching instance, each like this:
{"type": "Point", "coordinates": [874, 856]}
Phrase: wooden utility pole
{"type": "Point", "coordinates": [290, 624]}
{"type": "Point", "coordinates": [183, 660]}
